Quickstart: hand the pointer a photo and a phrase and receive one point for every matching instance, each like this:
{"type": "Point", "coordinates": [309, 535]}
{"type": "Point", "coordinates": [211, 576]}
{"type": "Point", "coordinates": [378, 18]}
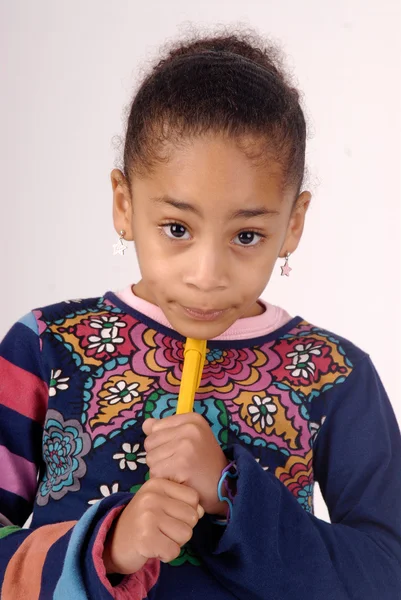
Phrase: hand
{"type": "Point", "coordinates": [155, 524]}
{"type": "Point", "coordinates": [182, 448]}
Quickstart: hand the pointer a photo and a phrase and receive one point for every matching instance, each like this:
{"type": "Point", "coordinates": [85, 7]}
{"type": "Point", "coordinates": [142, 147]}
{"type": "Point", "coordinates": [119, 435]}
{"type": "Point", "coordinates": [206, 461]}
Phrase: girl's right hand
{"type": "Point", "coordinates": [155, 524]}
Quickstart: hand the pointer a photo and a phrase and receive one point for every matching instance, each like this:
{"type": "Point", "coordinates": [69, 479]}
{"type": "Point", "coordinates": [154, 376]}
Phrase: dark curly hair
{"type": "Point", "coordinates": [231, 83]}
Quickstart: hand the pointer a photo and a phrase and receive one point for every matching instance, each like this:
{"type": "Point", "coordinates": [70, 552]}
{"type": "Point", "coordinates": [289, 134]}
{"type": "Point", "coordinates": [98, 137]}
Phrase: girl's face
{"type": "Point", "coordinates": [208, 227]}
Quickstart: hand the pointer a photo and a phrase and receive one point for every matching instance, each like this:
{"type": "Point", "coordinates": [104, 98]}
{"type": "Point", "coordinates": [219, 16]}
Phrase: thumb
{"type": "Point", "coordinates": [148, 426]}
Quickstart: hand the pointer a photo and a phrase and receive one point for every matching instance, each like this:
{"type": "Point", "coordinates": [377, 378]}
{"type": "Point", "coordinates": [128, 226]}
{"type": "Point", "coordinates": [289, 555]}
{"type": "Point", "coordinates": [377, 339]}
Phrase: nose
{"type": "Point", "coordinates": [207, 269]}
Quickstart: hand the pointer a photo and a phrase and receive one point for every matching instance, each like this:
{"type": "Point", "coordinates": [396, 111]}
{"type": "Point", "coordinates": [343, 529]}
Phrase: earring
{"type": "Point", "coordinates": [120, 247]}
{"type": "Point", "coordinates": [285, 269]}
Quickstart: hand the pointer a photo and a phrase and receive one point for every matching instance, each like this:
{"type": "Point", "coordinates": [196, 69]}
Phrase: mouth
{"type": "Point", "coordinates": [203, 315]}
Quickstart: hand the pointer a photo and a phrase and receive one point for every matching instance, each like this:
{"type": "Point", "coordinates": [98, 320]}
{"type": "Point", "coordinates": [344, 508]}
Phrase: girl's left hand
{"type": "Point", "coordinates": [183, 448]}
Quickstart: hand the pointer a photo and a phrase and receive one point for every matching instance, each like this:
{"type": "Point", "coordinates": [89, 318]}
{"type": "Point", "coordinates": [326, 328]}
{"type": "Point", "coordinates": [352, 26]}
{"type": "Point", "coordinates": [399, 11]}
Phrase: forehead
{"type": "Point", "coordinates": [214, 170]}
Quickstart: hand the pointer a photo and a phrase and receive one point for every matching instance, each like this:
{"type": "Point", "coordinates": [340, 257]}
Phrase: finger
{"type": "Point", "coordinates": [189, 430]}
{"type": "Point", "coordinates": [159, 455]}
{"type": "Point", "coordinates": [147, 426]}
{"type": "Point", "coordinates": [176, 421]}
{"type": "Point", "coordinates": [176, 509]}
{"type": "Point", "coordinates": [167, 469]}
{"type": "Point", "coordinates": [156, 439]}
{"type": "Point", "coordinates": [176, 491]}
{"type": "Point", "coordinates": [167, 549]}
{"type": "Point", "coordinates": [178, 531]}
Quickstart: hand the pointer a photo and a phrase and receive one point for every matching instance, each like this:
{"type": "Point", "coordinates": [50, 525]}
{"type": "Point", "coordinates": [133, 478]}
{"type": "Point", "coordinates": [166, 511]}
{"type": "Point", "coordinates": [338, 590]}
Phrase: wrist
{"type": "Point", "coordinates": [107, 551]}
{"type": "Point", "coordinates": [111, 564]}
{"type": "Point", "coordinates": [107, 561]}
{"type": "Point", "coordinates": [227, 488]}
{"type": "Point", "coordinates": [220, 509]}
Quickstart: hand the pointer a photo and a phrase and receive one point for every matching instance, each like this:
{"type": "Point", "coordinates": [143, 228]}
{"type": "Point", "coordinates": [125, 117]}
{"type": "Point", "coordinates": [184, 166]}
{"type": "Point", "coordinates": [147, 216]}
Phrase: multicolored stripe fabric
{"type": "Point", "coordinates": [291, 405]}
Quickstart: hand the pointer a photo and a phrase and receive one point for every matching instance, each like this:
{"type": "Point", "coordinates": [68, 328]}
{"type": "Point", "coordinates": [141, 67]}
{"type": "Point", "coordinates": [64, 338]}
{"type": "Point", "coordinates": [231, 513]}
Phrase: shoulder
{"type": "Point", "coordinates": [321, 341]}
{"type": "Point", "coordinates": [88, 329]}
{"type": "Point", "coordinates": [313, 359]}
{"type": "Point", "coordinates": [69, 309]}
{"type": "Point", "coordinates": [48, 318]}
{"type": "Point", "coordinates": [62, 310]}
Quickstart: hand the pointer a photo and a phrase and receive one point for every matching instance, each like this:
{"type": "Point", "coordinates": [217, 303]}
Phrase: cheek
{"type": "Point", "coordinates": [252, 276]}
{"type": "Point", "coordinates": [153, 267]}
{"type": "Point", "coordinates": [155, 263]}
{"type": "Point", "coordinates": [254, 279]}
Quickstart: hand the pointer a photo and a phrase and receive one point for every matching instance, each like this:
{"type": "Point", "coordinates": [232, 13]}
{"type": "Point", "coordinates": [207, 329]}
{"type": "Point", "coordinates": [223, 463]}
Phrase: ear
{"type": "Point", "coordinates": [296, 224]}
{"type": "Point", "coordinates": [122, 204]}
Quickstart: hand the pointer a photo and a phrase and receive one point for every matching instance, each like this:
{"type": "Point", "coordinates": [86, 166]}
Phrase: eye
{"type": "Point", "coordinates": [249, 238]}
{"type": "Point", "coordinates": [175, 231]}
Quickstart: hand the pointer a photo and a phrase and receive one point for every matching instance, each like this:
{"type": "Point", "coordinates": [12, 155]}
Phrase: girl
{"type": "Point", "coordinates": [129, 499]}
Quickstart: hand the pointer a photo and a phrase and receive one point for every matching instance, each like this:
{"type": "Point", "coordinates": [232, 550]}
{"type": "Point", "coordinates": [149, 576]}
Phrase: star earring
{"type": "Point", "coordinates": [120, 247]}
{"type": "Point", "coordinates": [286, 269]}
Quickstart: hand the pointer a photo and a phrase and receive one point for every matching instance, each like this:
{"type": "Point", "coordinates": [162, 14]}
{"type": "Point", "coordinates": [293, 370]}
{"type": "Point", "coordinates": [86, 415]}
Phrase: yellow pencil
{"type": "Point", "coordinates": [194, 359]}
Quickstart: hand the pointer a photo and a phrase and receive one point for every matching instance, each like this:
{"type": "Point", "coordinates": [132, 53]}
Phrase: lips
{"type": "Point", "coordinates": [203, 315]}
{"type": "Point", "coordinates": [204, 312]}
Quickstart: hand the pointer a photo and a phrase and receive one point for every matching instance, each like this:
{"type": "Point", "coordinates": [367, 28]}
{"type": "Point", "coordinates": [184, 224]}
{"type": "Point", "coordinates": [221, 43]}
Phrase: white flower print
{"type": "Point", "coordinates": [122, 392]}
{"type": "Point", "coordinates": [130, 457]}
{"type": "Point", "coordinates": [262, 411]}
{"type": "Point", "coordinates": [75, 301]}
{"type": "Point", "coordinates": [109, 333]}
{"type": "Point", "coordinates": [106, 492]}
{"type": "Point", "coordinates": [57, 383]}
{"type": "Point", "coordinates": [264, 468]}
{"type": "Point", "coordinates": [302, 364]}
{"type": "Point", "coordinates": [314, 428]}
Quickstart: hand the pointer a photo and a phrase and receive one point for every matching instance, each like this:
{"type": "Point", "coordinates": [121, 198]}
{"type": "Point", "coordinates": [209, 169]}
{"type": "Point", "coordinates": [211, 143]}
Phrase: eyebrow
{"type": "Point", "coordinates": [245, 213]}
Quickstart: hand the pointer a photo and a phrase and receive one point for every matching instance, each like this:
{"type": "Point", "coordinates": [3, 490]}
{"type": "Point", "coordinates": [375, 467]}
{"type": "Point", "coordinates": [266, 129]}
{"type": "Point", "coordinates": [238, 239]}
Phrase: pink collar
{"type": "Point", "coordinates": [249, 327]}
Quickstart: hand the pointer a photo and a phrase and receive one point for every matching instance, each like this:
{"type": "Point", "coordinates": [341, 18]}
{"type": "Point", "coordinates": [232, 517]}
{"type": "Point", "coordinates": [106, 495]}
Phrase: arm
{"type": "Point", "coordinates": [58, 560]}
{"type": "Point", "coordinates": [273, 548]}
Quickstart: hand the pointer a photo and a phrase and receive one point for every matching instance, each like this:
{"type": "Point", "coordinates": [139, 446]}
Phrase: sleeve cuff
{"type": "Point", "coordinates": [210, 538]}
{"type": "Point", "coordinates": [131, 587]}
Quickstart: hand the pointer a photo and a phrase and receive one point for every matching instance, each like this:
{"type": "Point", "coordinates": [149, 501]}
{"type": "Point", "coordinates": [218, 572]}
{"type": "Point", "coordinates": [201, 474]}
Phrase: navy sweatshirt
{"type": "Point", "coordinates": [291, 404]}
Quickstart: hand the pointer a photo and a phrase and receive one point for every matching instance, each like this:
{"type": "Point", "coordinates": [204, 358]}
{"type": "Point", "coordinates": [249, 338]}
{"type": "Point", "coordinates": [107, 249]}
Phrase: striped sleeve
{"type": "Point", "coordinates": [58, 560]}
{"type": "Point", "coordinates": [64, 560]}
{"type": "Point", "coordinates": [23, 405]}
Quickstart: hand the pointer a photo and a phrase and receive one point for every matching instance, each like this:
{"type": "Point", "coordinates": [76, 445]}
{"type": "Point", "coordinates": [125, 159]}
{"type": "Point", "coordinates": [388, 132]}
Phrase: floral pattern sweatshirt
{"type": "Point", "coordinates": [290, 403]}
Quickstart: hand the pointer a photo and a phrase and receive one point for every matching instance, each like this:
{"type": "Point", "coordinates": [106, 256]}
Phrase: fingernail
{"type": "Point", "coordinates": [201, 511]}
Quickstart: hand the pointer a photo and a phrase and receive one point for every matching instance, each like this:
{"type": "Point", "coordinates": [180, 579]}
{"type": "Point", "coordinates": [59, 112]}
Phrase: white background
{"type": "Point", "coordinates": [68, 70]}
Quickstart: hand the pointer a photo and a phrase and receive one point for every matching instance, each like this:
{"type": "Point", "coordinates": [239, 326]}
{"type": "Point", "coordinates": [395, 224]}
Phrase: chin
{"type": "Point", "coordinates": [200, 330]}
